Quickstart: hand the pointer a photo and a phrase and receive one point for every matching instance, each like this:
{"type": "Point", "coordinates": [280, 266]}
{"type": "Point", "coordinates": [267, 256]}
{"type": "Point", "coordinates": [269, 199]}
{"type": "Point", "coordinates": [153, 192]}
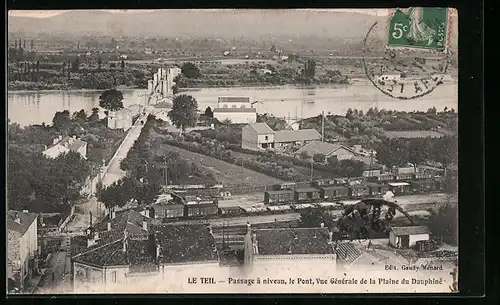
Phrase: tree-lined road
{"type": "Point", "coordinates": [114, 172]}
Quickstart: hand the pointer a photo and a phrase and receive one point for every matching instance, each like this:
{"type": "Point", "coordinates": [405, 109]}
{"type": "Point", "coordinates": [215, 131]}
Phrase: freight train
{"type": "Point", "coordinates": [351, 188]}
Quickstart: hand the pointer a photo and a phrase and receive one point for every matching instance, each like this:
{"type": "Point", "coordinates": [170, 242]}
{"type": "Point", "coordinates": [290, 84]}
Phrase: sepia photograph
{"type": "Point", "coordinates": [240, 151]}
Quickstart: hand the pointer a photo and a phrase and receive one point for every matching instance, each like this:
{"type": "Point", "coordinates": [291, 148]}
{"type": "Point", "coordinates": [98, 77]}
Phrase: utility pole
{"type": "Point", "coordinates": [322, 126]}
{"type": "Point", "coordinates": [312, 168]}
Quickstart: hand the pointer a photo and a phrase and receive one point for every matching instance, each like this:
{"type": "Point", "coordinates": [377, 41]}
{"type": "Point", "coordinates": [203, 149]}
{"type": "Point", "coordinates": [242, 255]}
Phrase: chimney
{"type": "Point", "coordinates": [322, 225]}
{"type": "Point", "coordinates": [109, 226]}
{"type": "Point", "coordinates": [90, 240]}
{"type": "Point", "coordinates": [144, 225]}
{"type": "Point", "coordinates": [330, 237]}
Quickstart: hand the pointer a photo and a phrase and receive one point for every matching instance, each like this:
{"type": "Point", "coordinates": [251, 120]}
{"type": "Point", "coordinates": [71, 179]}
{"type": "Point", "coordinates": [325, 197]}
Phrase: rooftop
{"type": "Point", "coordinates": [25, 221]}
{"type": "Point", "coordinates": [243, 110]}
{"type": "Point", "coordinates": [410, 230]}
{"type": "Point", "coordinates": [280, 192]}
{"type": "Point", "coordinates": [306, 189]}
{"type": "Point", "coordinates": [318, 147]}
{"type": "Point", "coordinates": [72, 144]}
{"type": "Point", "coordinates": [285, 241]}
{"type": "Point", "coordinates": [184, 243]}
{"type": "Point", "coordinates": [347, 252]}
{"type": "Point", "coordinates": [261, 128]}
{"type": "Point", "coordinates": [234, 99]}
{"type": "Point", "coordinates": [283, 136]}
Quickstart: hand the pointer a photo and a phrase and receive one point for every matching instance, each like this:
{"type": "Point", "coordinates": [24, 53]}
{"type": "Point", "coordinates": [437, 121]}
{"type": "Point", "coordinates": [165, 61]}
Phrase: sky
{"type": "Point", "coordinates": [50, 13]}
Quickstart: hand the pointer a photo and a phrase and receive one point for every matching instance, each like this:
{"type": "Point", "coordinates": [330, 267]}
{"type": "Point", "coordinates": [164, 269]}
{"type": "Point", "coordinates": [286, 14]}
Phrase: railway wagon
{"type": "Point", "coordinates": [231, 211]}
{"type": "Point", "coordinates": [336, 191]}
{"type": "Point", "coordinates": [403, 176]}
{"type": "Point", "coordinates": [381, 178]}
{"type": "Point", "coordinates": [421, 176]}
{"type": "Point", "coordinates": [307, 194]}
{"type": "Point", "coordinates": [359, 190]}
{"type": "Point", "coordinates": [421, 186]}
{"type": "Point", "coordinates": [279, 197]}
{"type": "Point", "coordinates": [200, 210]}
{"type": "Point", "coordinates": [285, 186]}
{"type": "Point", "coordinates": [378, 189]}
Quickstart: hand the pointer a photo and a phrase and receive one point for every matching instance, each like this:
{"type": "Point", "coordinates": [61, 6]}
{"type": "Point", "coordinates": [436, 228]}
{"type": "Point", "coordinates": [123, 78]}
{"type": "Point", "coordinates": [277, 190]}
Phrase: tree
{"type": "Point", "coordinates": [319, 158]}
{"type": "Point", "coordinates": [75, 65]}
{"type": "Point", "coordinates": [273, 49]}
{"type": "Point", "coordinates": [333, 162]}
{"type": "Point", "coordinates": [175, 89]}
{"type": "Point", "coordinates": [304, 155]}
{"type": "Point", "coordinates": [81, 115]}
{"type": "Point", "coordinates": [62, 120]}
{"type": "Point", "coordinates": [444, 150]}
{"type": "Point", "coordinates": [95, 114]}
{"type": "Point", "coordinates": [99, 64]}
{"type": "Point", "coordinates": [122, 65]}
{"type": "Point", "coordinates": [184, 111]}
{"type": "Point", "coordinates": [313, 218]}
{"type": "Point", "coordinates": [190, 70]}
{"type": "Point", "coordinates": [111, 99]}
{"type": "Point", "coordinates": [351, 168]}
{"type": "Point", "coordinates": [444, 223]}
{"type": "Point", "coordinates": [418, 152]}
{"type": "Point", "coordinates": [209, 113]}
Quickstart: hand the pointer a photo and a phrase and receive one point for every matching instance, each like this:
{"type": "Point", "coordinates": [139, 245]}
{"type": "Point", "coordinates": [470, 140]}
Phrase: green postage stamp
{"type": "Point", "coordinates": [419, 27]}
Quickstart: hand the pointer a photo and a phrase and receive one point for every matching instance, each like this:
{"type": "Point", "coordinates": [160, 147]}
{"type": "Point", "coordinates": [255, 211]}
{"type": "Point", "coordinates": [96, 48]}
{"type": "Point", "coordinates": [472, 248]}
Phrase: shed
{"type": "Point", "coordinates": [276, 197]}
{"type": "Point", "coordinates": [337, 191]}
{"type": "Point", "coordinates": [359, 190]}
{"type": "Point", "coordinates": [407, 237]}
{"type": "Point", "coordinates": [399, 188]}
{"type": "Point", "coordinates": [309, 193]}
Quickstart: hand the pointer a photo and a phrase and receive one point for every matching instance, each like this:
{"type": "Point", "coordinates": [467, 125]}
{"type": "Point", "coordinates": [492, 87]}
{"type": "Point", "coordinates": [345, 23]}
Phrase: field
{"type": "Point", "coordinates": [303, 171]}
{"type": "Point", "coordinates": [229, 175]}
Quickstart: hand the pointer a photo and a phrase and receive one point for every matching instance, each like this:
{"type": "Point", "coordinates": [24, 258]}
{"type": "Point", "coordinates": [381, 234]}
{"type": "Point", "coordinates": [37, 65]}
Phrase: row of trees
{"type": "Point", "coordinates": [397, 152]}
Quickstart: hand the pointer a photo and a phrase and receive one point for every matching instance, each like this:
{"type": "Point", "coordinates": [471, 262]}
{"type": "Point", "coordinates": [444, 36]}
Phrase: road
{"type": "Point", "coordinates": [58, 275]}
{"type": "Point", "coordinates": [114, 172]}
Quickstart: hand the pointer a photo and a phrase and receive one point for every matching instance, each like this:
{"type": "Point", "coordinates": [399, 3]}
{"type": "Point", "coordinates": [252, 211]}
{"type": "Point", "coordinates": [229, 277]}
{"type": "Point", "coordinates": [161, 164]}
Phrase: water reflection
{"type": "Point", "coordinates": [282, 102]}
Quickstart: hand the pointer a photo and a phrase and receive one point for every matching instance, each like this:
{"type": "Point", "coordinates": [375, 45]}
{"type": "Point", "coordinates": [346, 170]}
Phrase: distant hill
{"type": "Point", "coordinates": [342, 26]}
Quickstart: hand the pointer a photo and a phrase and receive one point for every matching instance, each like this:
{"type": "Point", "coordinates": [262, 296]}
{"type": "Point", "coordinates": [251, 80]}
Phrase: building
{"type": "Point", "coordinates": [294, 246]}
{"type": "Point", "coordinates": [285, 138]}
{"type": "Point", "coordinates": [22, 246]}
{"type": "Point", "coordinates": [307, 194]}
{"type": "Point", "coordinates": [236, 115]}
{"type": "Point", "coordinates": [121, 119]}
{"type": "Point", "coordinates": [257, 136]}
{"type": "Point", "coordinates": [238, 110]}
{"type": "Point", "coordinates": [233, 102]}
{"type": "Point", "coordinates": [128, 249]}
{"type": "Point", "coordinates": [62, 145]}
{"type": "Point", "coordinates": [407, 237]}
{"type": "Point", "coordinates": [340, 151]}
{"type": "Point", "coordinates": [163, 81]}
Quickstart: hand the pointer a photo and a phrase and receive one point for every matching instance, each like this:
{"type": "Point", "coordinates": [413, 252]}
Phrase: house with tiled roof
{"type": "Point", "coordinates": [128, 247]}
{"type": "Point", "coordinates": [289, 245]}
{"type": "Point", "coordinates": [260, 136]}
{"type": "Point", "coordinates": [22, 246]}
{"type": "Point", "coordinates": [338, 150]}
{"type": "Point", "coordinates": [62, 145]}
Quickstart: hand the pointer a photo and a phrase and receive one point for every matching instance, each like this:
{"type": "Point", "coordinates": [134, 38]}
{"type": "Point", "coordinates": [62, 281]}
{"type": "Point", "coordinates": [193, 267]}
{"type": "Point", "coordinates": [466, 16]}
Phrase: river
{"type": "Point", "coordinates": [27, 108]}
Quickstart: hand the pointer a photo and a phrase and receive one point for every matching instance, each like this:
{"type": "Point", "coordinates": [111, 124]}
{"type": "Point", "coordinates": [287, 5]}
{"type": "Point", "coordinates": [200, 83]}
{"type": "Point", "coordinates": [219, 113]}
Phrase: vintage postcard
{"type": "Point", "coordinates": [232, 151]}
